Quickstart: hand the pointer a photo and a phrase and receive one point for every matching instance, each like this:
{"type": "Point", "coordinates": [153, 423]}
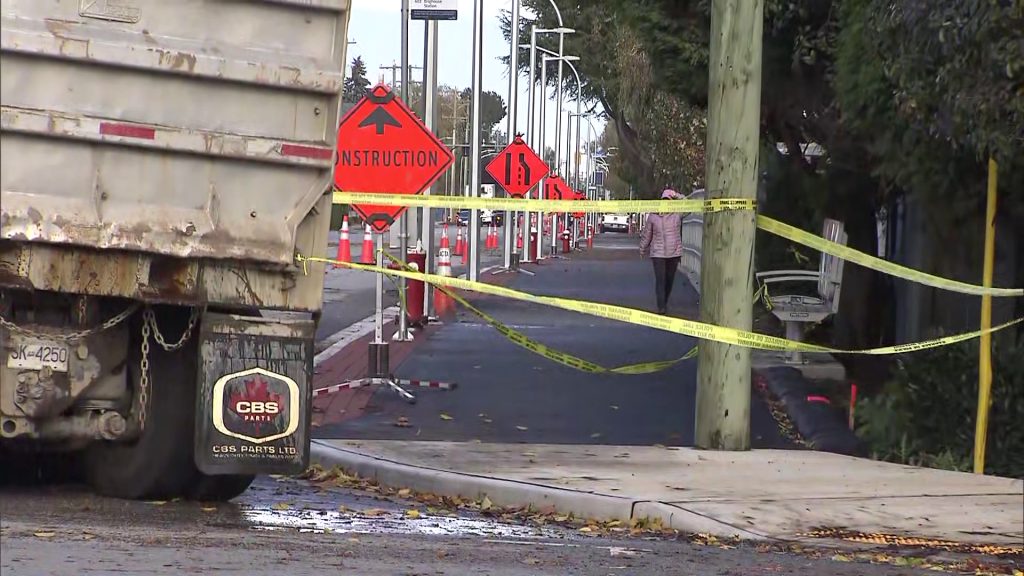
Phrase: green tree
{"type": "Point", "coordinates": [492, 109]}
{"type": "Point", "coordinates": [356, 84]}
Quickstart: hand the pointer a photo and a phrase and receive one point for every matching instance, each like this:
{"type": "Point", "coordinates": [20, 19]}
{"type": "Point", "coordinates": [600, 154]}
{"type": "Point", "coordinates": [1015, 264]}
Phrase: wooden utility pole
{"type": "Point", "coordinates": [734, 99]}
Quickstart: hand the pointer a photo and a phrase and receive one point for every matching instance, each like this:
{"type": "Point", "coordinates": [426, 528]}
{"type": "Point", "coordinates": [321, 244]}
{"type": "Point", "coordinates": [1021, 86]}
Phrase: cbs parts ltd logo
{"type": "Point", "coordinates": [256, 405]}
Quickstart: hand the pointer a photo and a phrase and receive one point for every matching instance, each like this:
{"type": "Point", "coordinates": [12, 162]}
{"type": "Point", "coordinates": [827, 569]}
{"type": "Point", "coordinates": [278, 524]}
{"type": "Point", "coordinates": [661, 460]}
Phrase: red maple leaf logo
{"type": "Point", "coordinates": [255, 403]}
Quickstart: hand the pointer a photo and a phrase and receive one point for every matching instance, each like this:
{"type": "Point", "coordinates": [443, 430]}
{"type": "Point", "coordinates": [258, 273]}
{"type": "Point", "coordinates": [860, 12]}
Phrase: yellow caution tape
{"type": "Point", "coordinates": [667, 206]}
{"type": "Point", "coordinates": [857, 257]}
{"type": "Point", "coordinates": [550, 353]}
{"type": "Point", "coordinates": [693, 328]}
{"type": "Point", "coordinates": [524, 204]}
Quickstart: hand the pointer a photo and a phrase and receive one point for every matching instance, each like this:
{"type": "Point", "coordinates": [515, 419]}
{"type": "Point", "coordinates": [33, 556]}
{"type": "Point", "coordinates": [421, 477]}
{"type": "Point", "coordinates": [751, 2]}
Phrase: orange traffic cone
{"type": "Point", "coordinates": [344, 243]}
{"type": "Point", "coordinates": [460, 247]}
{"type": "Point", "coordinates": [492, 237]}
{"type": "Point", "coordinates": [367, 256]}
{"type": "Point", "coordinates": [443, 304]}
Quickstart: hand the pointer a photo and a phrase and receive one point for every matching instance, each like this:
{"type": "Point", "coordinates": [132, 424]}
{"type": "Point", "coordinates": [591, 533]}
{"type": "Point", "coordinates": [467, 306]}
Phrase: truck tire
{"type": "Point", "coordinates": [159, 464]}
{"type": "Point", "coordinates": [218, 488]}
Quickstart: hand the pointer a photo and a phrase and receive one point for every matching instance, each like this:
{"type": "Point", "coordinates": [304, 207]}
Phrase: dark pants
{"type": "Point", "coordinates": [664, 275]}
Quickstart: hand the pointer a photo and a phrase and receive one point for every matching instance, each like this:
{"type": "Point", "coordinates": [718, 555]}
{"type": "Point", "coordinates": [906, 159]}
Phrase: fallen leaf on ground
{"type": "Point", "coordinates": [482, 415]}
{"type": "Point", "coordinates": [402, 422]}
{"type": "Point", "coordinates": [373, 512]}
{"type": "Point", "coordinates": [281, 506]}
{"type": "Point", "coordinates": [342, 508]}
{"type": "Point", "coordinates": [157, 502]}
{"type": "Point", "coordinates": [595, 435]}
{"type": "Point", "coordinates": [531, 561]}
{"type": "Point", "coordinates": [354, 540]}
{"type": "Point", "coordinates": [586, 529]}
{"type": "Point", "coordinates": [445, 416]}
{"type": "Point", "coordinates": [486, 503]}
{"type": "Point", "coordinates": [841, 558]}
{"type": "Point", "coordinates": [440, 554]}
{"type": "Point", "coordinates": [404, 492]}
{"type": "Point", "coordinates": [522, 428]}
{"type": "Point", "coordinates": [529, 454]}
{"type": "Point", "coordinates": [614, 407]}
{"type": "Point", "coordinates": [412, 514]}
{"type": "Point", "coordinates": [659, 445]}
{"type": "Point", "coordinates": [45, 534]}
{"type": "Point", "coordinates": [208, 508]}
{"type": "Point", "coordinates": [488, 421]}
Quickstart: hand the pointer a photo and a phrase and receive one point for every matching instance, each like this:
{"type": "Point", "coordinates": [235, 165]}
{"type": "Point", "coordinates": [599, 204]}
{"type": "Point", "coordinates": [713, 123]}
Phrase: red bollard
{"type": "Point", "coordinates": [417, 259]}
{"type": "Point", "coordinates": [533, 245]}
{"type": "Point", "coordinates": [590, 236]}
{"type": "Point", "coordinates": [566, 249]}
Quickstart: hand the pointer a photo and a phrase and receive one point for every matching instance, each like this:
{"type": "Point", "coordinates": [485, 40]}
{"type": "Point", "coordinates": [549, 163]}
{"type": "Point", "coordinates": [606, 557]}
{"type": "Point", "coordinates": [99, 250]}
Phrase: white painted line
{"type": "Point", "coordinates": [346, 336]}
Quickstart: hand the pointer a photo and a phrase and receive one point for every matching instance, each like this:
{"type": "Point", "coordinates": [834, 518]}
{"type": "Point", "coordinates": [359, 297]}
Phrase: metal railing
{"type": "Point", "coordinates": [693, 237]}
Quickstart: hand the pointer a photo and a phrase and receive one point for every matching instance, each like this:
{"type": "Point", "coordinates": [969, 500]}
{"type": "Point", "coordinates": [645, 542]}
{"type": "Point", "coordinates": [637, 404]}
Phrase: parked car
{"type": "Point", "coordinates": [616, 222]}
{"type": "Point", "coordinates": [462, 217]}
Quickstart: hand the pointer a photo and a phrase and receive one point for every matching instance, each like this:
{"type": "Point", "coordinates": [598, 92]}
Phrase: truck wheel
{"type": "Point", "coordinates": [158, 465]}
{"type": "Point", "coordinates": [218, 488]}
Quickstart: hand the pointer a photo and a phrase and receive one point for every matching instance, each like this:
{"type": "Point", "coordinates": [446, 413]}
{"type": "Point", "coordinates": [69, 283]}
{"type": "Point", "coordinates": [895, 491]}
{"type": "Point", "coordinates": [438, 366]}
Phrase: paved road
{"type": "Point", "coordinates": [508, 394]}
{"type": "Point", "coordinates": [291, 527]}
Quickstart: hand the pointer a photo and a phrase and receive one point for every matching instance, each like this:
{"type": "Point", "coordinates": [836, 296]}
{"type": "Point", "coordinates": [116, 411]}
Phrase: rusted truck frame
{"type": "Point", "coordinates": [161, 163]}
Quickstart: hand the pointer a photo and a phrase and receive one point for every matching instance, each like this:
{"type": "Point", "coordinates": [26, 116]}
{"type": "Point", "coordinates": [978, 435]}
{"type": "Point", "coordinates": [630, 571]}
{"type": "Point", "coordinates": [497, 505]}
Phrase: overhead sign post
{"type": "Point", "coordinates": [383, 148]}
{"type": "Point", "coordinates": [434, 10]}
{"type": "Point", "coordinates": [517, 168]}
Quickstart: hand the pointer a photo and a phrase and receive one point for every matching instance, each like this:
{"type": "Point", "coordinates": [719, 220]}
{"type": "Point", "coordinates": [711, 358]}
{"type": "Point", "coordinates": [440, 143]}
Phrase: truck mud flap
{"type": "Point", "coordinates": [254, 397]}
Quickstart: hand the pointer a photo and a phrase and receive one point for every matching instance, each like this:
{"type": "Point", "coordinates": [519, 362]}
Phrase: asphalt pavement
{"type": "Point", "coordinates": [294, 527]}
{"type": "Point", "coordinates": [508, 394]}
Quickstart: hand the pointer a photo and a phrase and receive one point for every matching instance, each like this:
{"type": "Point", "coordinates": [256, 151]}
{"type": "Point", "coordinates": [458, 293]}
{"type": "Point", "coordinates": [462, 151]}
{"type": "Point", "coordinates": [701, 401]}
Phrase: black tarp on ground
{"type": "Point", "coordinates": [822, 426]}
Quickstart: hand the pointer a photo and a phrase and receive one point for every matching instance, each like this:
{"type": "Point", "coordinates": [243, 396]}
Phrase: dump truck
{"type": "Point", "coordinates": [163, 163]}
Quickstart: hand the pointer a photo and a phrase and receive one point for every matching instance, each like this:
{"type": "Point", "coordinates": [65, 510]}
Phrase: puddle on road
{"type": "Point", "coordinates": [321, 521]}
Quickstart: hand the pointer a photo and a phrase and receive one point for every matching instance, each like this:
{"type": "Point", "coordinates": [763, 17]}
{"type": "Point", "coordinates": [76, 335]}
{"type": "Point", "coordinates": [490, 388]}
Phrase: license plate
{"type": "Point", "coordinates": [37, 353]}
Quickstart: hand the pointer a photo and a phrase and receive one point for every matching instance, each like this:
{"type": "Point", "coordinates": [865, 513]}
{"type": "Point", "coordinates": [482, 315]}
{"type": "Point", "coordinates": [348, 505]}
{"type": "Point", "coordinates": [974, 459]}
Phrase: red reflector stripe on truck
{"type": "Point", "coordinates": [306, 151]}
{"type": "Point", "coordinates": [127, 131]}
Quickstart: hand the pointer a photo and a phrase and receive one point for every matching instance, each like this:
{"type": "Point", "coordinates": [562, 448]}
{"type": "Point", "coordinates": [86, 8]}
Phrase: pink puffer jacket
{"type": "Point", "coordinates": [662, 236]}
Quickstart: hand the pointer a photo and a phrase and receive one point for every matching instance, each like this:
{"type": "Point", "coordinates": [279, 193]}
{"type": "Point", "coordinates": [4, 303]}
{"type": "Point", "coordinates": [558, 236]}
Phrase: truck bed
{"type": "Point", "coordinates": [195, 130]}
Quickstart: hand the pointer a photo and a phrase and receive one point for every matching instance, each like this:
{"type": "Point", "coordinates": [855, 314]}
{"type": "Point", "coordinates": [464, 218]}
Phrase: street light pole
{"type": "Point", "coordinates": [541, 140]}
{"type": "Point", "coordinates": [473, 272]}
{"type": "Point", "coordinates": [403, 220]}
{"type": "Point", "coordinates": [513, 108]}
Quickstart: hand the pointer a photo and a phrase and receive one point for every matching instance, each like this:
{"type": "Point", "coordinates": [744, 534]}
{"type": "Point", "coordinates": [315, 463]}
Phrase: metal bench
{"type": "Point", "coordinates": [795, 311]}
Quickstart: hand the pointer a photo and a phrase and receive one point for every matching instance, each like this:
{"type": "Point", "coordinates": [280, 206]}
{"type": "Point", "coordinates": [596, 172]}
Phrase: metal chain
{"type": "Point", "coordinates": [149, 327]}
{"type": "Point", "coordinates": [150, 318]}
{"type": "Point", "coordinates": [81, 310]}
{"type": "Point", "coordinates": [70, 337]}
{"type": "Point", "coordinates": [144, 371]}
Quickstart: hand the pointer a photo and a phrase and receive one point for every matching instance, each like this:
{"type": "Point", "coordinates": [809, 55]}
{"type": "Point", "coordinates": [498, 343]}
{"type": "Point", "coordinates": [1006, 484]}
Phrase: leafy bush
{"type": "Point", "coordinates": [926, 414]}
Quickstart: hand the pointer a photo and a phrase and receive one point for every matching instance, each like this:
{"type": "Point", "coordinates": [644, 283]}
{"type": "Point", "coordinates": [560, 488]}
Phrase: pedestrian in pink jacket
{"type": "Point", "coordinates": [662, 240]}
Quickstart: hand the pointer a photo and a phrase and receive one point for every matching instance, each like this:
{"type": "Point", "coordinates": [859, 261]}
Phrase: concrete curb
{"type": "Point", "coordinates": [503, 492]}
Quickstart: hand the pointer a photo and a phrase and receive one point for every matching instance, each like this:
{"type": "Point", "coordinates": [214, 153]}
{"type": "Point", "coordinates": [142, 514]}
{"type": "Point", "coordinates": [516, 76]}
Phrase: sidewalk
{"type": "Point", "coordinates": [758, 495]}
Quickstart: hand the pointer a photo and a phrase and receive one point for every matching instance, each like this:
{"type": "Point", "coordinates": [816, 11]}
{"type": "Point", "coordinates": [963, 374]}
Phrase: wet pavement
{"type": "Point", "coordinates": [293, 527]}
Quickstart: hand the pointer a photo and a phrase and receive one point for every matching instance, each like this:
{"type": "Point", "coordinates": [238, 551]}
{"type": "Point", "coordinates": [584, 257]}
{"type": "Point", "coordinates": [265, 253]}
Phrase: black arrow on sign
{"type": "Point", "coordinates": [380, 118]}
